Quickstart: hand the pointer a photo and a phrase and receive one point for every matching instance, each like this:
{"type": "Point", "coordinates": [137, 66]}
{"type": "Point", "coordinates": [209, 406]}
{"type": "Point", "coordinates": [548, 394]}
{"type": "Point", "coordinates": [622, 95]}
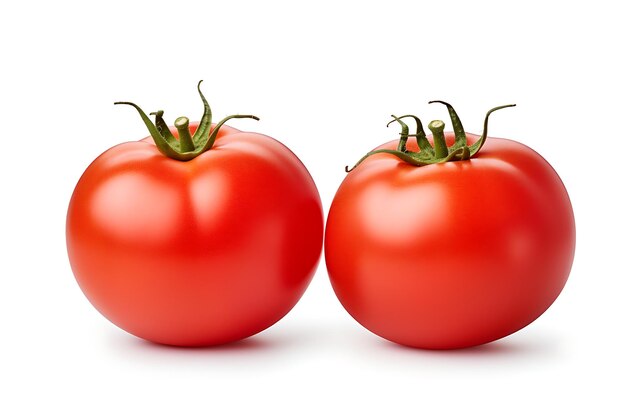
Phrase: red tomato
{"type": "Point", "coordinates": [453, 254]}
{"type": "Point", "coordinates": [202, 252]}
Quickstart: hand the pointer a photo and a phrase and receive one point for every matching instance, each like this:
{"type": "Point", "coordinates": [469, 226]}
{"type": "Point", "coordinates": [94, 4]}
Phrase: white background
{"type": "Point", "coordinates": [324, 78]}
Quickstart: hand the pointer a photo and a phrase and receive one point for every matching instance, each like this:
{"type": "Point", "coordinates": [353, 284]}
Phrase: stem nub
{"type": "Point", "coordinates": [184, 135]}
{"type": "Point", "coordinates": [441, 149]}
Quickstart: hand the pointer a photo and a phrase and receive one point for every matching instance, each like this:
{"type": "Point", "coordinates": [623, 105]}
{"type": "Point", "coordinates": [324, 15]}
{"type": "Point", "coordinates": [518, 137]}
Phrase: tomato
{"type": "Point", "coordinates": [453, 254]}
{"type": "Point", "coordinates": [197, 251]}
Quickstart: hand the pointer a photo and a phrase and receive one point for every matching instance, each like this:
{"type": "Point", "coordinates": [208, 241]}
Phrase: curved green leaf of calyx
{"type": "Point", "coordinates": [159, 140]}
{"type": "Point", "coordinates": [474, 148]}
{"type": "Point", "coordinates": [408, 157]}
{"type": "Point", "coordinates": [426, 149]}
{"type": "Point", "coordinates": [211, 138]}
{"type": "Point", "coordinates": [201, 134]}
{"type": "Point", "coordinates": [404, 133]}
{"type": "Point", "coordinates": [465, 153]}
{"type": "Point", "coordinates": [164, 129]}
{"type": "Point", "coordinates": [459, 154]}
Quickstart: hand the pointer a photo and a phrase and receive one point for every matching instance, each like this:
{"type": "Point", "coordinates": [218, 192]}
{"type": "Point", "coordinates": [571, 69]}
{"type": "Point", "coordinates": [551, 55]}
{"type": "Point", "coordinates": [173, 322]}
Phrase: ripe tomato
{"type": "Point", "coordinates": [454, 254]}
{"type": "Point", "coordinates": [199, 252]}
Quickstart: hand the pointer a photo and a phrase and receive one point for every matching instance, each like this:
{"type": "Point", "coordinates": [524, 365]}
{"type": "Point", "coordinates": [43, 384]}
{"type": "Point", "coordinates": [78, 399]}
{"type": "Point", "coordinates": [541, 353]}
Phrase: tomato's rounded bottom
{"type": "Point", "coordinates": [208, 342]}
{"type": "Point", "coordinates": [422, 332]}
{"type": "Point", "coordinates": [458, 345]}
{"type": "Point", "coordinates": [200, 324]}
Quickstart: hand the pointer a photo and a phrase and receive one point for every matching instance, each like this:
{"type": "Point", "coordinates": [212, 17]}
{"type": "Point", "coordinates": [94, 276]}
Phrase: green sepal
{"type": "Point", "coordinates": [201, 135]}
{"type": "Point", "coordinates": [163, 129]}
{"type": "Point", "coordinates": [160, 142]}
{"type": "Point", "coordinates": [474, 148]}
{"type": "Point", "coordinates": [420, 135]}
{"type": "Point", "coordinates": [428, 155]}
{"type": "Point", "coordinates": [202, 140]}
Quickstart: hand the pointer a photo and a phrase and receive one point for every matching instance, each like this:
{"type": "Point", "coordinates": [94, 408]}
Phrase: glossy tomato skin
{"type": "Point", "coordinates": [195, 253]}
{"type": "Point", "coordinates": [450, 255]}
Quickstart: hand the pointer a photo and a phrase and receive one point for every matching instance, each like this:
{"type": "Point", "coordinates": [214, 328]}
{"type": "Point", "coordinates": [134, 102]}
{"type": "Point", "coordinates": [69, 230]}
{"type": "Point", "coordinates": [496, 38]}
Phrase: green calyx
{"type": "Point", "coordinates": [437, 152]}
{"type": "Point", "coordinates": [186, 147]}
